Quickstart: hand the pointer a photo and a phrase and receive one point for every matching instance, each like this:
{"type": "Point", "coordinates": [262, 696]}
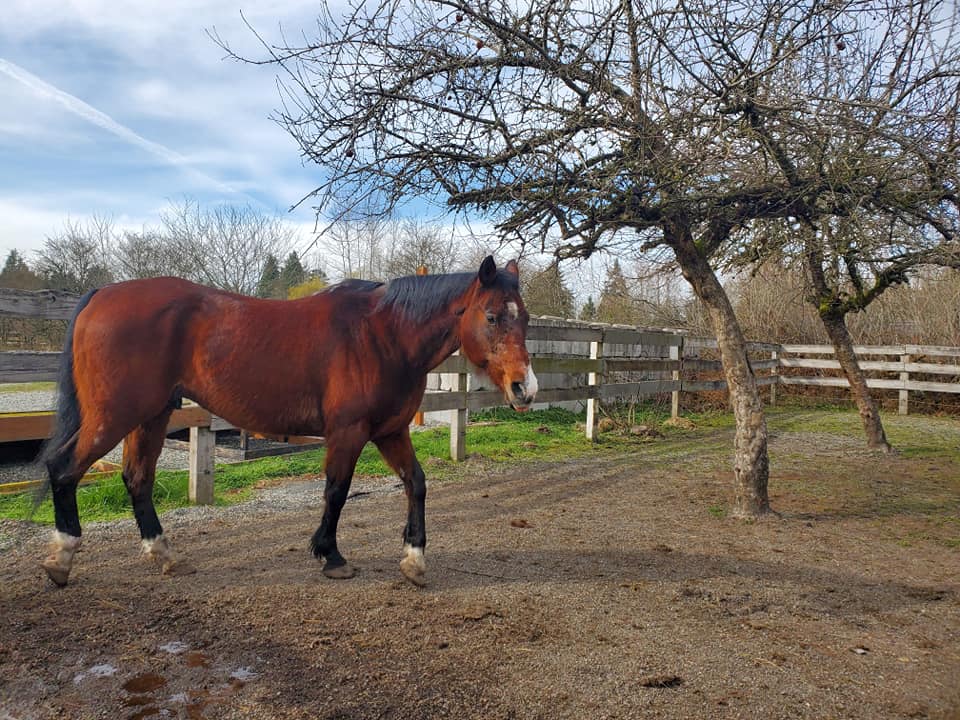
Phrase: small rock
{"type": "Point", "coordinates": [519, 523]}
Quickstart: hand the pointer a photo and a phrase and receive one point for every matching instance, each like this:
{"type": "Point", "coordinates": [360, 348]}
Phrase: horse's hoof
{"type": "Point", "coordinates": [413, 572]}
{"type": "Point", "coordinates": [339, 572]}
{"type": "Point", "coordinates": [412, 566]}
{"type": "Point", "coordinates": [56, 572]}
{"type": "Point", "coordinates": [177, 568]}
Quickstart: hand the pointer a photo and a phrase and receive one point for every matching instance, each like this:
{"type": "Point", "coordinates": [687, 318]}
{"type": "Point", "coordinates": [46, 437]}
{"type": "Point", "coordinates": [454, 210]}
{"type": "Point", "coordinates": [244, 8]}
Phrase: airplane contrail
{"type": "Point", "coordinates": [89, 113]}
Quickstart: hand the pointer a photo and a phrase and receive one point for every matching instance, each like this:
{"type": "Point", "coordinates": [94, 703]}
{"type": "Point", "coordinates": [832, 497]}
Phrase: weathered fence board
{"type": "Point", "coordinates": [44, 304]}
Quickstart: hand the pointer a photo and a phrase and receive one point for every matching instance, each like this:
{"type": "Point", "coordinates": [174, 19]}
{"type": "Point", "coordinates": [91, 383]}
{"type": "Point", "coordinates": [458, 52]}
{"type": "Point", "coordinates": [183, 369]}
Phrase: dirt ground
{"type": "Point", "coordinates": [602, 587]}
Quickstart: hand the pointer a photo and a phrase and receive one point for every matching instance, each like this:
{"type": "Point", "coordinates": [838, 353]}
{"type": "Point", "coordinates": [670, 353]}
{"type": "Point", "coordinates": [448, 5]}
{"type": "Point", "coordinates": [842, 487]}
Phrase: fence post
{"type": "Point", "coordinates": [458, 421]}
{"type": "Point", "coordinates": [202, 443]}
{"type": "Point", "coordinates": [596, 352]}
{"type": "Point", "coordinates": [775, 372]}
{"type": "Point", "coordinates": [676, 353]}
{"type": "Point", "coordinates": [903, 406]}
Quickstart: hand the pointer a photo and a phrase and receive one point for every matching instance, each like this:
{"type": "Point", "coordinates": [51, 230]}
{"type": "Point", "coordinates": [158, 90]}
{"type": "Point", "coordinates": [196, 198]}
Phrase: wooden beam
{"type": "Point", "coordinates": [16, 427]}
{"type": "Point", "coordinates": [46, 304]}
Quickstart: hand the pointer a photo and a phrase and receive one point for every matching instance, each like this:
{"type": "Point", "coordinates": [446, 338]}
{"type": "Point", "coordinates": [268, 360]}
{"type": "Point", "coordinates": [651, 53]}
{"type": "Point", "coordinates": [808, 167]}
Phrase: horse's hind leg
{"type": "Point", "coordinates": [397, 450]}
{"type": "Point", "coordinates": [141, 449]}
{"type": "Point", "coordinates": [343, 449]}
{"type": "Point", "coordinates": [66, 465]}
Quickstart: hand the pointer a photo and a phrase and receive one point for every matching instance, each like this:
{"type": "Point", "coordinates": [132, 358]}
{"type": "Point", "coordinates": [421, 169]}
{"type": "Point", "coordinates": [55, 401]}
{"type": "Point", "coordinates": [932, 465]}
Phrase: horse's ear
{"type": "Point", "coordinates": [513, 268]}
{"type": "Point", "coordinates": [488, 271]}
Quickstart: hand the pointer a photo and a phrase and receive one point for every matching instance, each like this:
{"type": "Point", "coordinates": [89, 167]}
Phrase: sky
{"type": "Point", "coordinates": [116, 108]}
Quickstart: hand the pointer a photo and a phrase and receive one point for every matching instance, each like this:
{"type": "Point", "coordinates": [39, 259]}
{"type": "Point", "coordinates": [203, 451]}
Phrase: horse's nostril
{"type": "Point", "coordinates": [517, 389]}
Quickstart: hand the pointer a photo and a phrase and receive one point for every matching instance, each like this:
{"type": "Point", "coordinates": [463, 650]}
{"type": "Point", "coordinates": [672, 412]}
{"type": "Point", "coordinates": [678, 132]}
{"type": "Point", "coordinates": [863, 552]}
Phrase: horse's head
{"type": "Point", "coordinates": [493, 333]}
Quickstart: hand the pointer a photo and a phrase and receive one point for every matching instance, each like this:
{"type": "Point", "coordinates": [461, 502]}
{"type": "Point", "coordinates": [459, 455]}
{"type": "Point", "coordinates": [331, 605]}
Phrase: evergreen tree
{"type": "Point", "coordinates": [546, 294]}
{"type": "Point", "coordinates": [589, 311]}
{"type": "Point", "coordinates": [16, 274]}
{"type": "Point", "coordinates": [269, 282]}
{"type": "Point", "coordinates": [616, 304]}
{"type": "Point", "coordinates": [292, 274]}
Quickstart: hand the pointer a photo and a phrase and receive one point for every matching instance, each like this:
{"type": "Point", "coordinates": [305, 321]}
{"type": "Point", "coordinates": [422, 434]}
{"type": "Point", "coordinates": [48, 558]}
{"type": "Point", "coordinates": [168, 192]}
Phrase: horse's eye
{"type": "Point", "coordinates": [491, 318]}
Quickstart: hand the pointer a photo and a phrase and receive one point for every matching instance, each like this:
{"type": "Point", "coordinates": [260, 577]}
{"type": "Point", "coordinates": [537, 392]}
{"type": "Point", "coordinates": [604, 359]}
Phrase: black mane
{"type": "Point", "coordinates": [420, 297]}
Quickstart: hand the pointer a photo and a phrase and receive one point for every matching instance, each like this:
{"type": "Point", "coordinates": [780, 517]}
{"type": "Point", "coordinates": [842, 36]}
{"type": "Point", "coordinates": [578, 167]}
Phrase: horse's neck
{"type": "Point", "coordinates": [436, 340]}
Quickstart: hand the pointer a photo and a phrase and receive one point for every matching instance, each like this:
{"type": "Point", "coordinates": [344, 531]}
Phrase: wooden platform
{"type": "Point", "coordinates": [17, 427]}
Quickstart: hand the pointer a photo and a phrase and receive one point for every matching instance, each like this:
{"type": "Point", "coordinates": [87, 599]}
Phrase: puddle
{"type": "Point", "coordinates": [144, 683]}
{"type": "Point", "coordinates": [197, 659]}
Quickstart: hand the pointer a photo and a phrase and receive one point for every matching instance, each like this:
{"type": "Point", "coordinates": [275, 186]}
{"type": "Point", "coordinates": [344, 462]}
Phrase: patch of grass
{"type": "Point", "coordinates": [497, 436]}
{"type": "Point", "coordinates": [26, 387]}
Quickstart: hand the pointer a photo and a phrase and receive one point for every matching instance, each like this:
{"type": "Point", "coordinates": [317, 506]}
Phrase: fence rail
{"type": "Point", "coordinates": [587, 363]}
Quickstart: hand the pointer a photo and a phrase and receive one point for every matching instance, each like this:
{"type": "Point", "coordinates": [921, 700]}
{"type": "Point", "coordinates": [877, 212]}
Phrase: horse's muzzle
{"type": "Point", "coordinates": [521, 394]}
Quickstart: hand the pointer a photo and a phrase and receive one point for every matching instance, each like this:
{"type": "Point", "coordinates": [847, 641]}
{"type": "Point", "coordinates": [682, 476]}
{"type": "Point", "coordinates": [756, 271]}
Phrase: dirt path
{"type": "Point", "coordinates": [596, 588]}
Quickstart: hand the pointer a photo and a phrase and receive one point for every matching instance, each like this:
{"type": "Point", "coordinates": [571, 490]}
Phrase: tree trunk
{"type": "Point", "coordinates": [751, 463]}
{"type": "Point", "coordinates": [836, 327]}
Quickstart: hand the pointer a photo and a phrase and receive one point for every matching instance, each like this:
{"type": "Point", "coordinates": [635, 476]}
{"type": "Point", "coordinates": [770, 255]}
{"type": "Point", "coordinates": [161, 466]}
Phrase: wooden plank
{"type": "Point", "coordinates": [28, 366]}
{"type": "Point", "coordinates": [567, 334]}
{"type": "Point", "coordinates": [203, 442]}
{"type": "Point", "coordinates": [704, 386]}
{"type": "Point", "coordinates": [593, 380]}
{"type": "Point", "coordinates": [676, 355]}
{"type": "Point", "coordinates": [765, 364]}
{"type": "Point", "coordinates": [763, 347]}
{"type": "Point", "coordinates": [25, 485]}
{"type": "Point", "coordinates": [458, 421]}
{"type": "Point", "coordinates": [640, 365]}
{"type": "Point", "coordinates": [903, 401]}
{"type": "Point", "coordinates": [565, 366]}
{"type": "Point", "coordinates": [46, 304]}
{"type": "Point", "coordinates": [877, 365]}
{"type": "Point", "coordinates": [934, 350]}
{"type": "Point", "coordinates": [628, 336]}
{"type": "Point", "coordinates": [16, 427]}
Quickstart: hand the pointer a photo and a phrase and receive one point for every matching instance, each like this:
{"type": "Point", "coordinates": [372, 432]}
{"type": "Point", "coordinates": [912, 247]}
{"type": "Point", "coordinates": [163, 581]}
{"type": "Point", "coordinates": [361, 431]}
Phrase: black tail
{"type": "Point", "coordinates": [68, 407]}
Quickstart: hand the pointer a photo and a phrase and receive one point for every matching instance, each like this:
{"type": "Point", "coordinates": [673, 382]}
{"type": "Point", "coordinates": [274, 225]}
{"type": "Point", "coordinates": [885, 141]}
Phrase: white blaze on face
{"type": "Point", "coordinates": [513, 310]}
{"type": "Point", "coordinates": [530, 382]}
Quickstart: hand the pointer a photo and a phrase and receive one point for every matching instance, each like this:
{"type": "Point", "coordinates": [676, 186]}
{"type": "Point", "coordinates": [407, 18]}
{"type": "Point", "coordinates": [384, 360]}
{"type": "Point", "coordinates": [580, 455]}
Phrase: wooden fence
{"type": "Point", "coordinates": [576, 362]}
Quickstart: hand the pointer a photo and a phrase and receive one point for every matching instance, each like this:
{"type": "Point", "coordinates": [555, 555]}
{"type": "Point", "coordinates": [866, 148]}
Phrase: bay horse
{"type": "Point", "coordinates": [349, 363]}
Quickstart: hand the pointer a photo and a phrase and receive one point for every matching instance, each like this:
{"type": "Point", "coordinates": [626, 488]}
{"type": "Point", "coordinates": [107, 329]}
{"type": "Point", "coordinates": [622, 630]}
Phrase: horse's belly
{"type": "Point", "coordinates": [257, 410]}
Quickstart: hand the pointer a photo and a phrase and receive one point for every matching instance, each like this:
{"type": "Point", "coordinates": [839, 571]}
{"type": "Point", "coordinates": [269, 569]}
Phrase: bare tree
{"type": "Point", "coordinates": [143, 254]}
{"type": "Point", "coordinates": [77, 258]}
{"type": "Point", "coordinates": [354, 248]}
{"type": "Point", "coordinates": [861, 126]}
{"type": "Point", "coordinates": [224, 246]}
{"type": "Point", "coordinates": [411, 244]}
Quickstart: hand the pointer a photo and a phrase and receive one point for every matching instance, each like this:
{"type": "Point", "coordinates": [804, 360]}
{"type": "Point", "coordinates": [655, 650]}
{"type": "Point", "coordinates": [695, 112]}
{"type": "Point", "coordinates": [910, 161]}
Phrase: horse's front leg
{"type": "Point", "coordinates": [397, 450]}
{"type": "Point", "coordinates": [343, 450]}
